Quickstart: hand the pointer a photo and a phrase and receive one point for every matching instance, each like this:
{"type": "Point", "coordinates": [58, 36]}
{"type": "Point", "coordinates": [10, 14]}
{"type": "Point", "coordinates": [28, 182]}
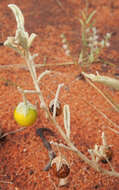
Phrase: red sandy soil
{"type": "Point", "coordinates": [22, 155]}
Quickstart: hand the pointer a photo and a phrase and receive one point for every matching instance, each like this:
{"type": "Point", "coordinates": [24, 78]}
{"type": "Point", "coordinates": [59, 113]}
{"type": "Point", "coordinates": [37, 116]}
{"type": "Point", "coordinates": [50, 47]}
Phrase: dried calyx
{"type": "Point", "coordinates": [58, 107]}
{"type": "Point", "coordinates": [60, 167]}
{"type": "Point", "coordinates": [103, 152]}
{"type": "Point", "coordinates": [23, 108]}
{"type": "Point", "coordinates": [108, 155]}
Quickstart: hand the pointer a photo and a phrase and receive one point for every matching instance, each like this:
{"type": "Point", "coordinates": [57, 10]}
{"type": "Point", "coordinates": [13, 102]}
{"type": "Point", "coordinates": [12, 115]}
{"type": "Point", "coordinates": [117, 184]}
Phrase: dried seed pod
{"type": "Point", "coordinates": [108, 154]}
{"type": "Point", "coordinates": [60, 167]}
{"type": "Point", "coordinates": [58, 107]}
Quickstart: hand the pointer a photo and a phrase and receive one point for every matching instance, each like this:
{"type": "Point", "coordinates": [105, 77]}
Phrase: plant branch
{"type": "Point", "coordinates": [21, 43]}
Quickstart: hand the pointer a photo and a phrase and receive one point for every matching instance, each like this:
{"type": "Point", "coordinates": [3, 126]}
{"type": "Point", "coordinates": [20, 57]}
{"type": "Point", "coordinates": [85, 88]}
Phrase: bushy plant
{"type": "Point", "coordinates": [91, 45]}
{"type": "Point", "coordinates": [21, 43]}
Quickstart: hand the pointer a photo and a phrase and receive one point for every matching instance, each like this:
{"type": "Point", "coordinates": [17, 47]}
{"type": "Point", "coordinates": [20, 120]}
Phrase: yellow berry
{"type": "Point", "coordinates": [25, 114]}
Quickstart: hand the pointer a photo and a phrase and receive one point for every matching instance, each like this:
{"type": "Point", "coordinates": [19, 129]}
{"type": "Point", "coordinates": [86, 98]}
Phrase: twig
{"type": "Point", "coordinates": [60, 145]}
{"type": "Point", "coordinates": [6, 182]}
{"type": "Point", "coordinates": [105, 116]}
{"type": "Point", "coordinates": [23, 66]}
{"type": "Point", "coordinates": [60, 4]}
{"type": "Point", "coordinates": [40, 132]}
{"type": "Point", "coordinates": [12, 132]}
{"type": "Point", "coordinates": [43, 74]}
{"type": "Point", "coordinates": [104, 96]}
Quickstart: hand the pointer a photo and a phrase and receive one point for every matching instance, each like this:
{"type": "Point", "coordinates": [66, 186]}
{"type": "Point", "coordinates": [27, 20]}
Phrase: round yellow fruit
{"type": "Point", "coordinates": [25, 114]}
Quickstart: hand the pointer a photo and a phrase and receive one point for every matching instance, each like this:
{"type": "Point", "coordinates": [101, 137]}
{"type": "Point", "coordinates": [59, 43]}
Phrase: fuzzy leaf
{"type": "Point", "coordinates": [90, 16]}
{"type": "Point", "coordinates": [18, 15]}
{"type": "Point", "coordinates": [108, 81]}
{"type": "Point", "coordinates": [81, 21]}
{"type": "Point", "coordinates": [67, 120]}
